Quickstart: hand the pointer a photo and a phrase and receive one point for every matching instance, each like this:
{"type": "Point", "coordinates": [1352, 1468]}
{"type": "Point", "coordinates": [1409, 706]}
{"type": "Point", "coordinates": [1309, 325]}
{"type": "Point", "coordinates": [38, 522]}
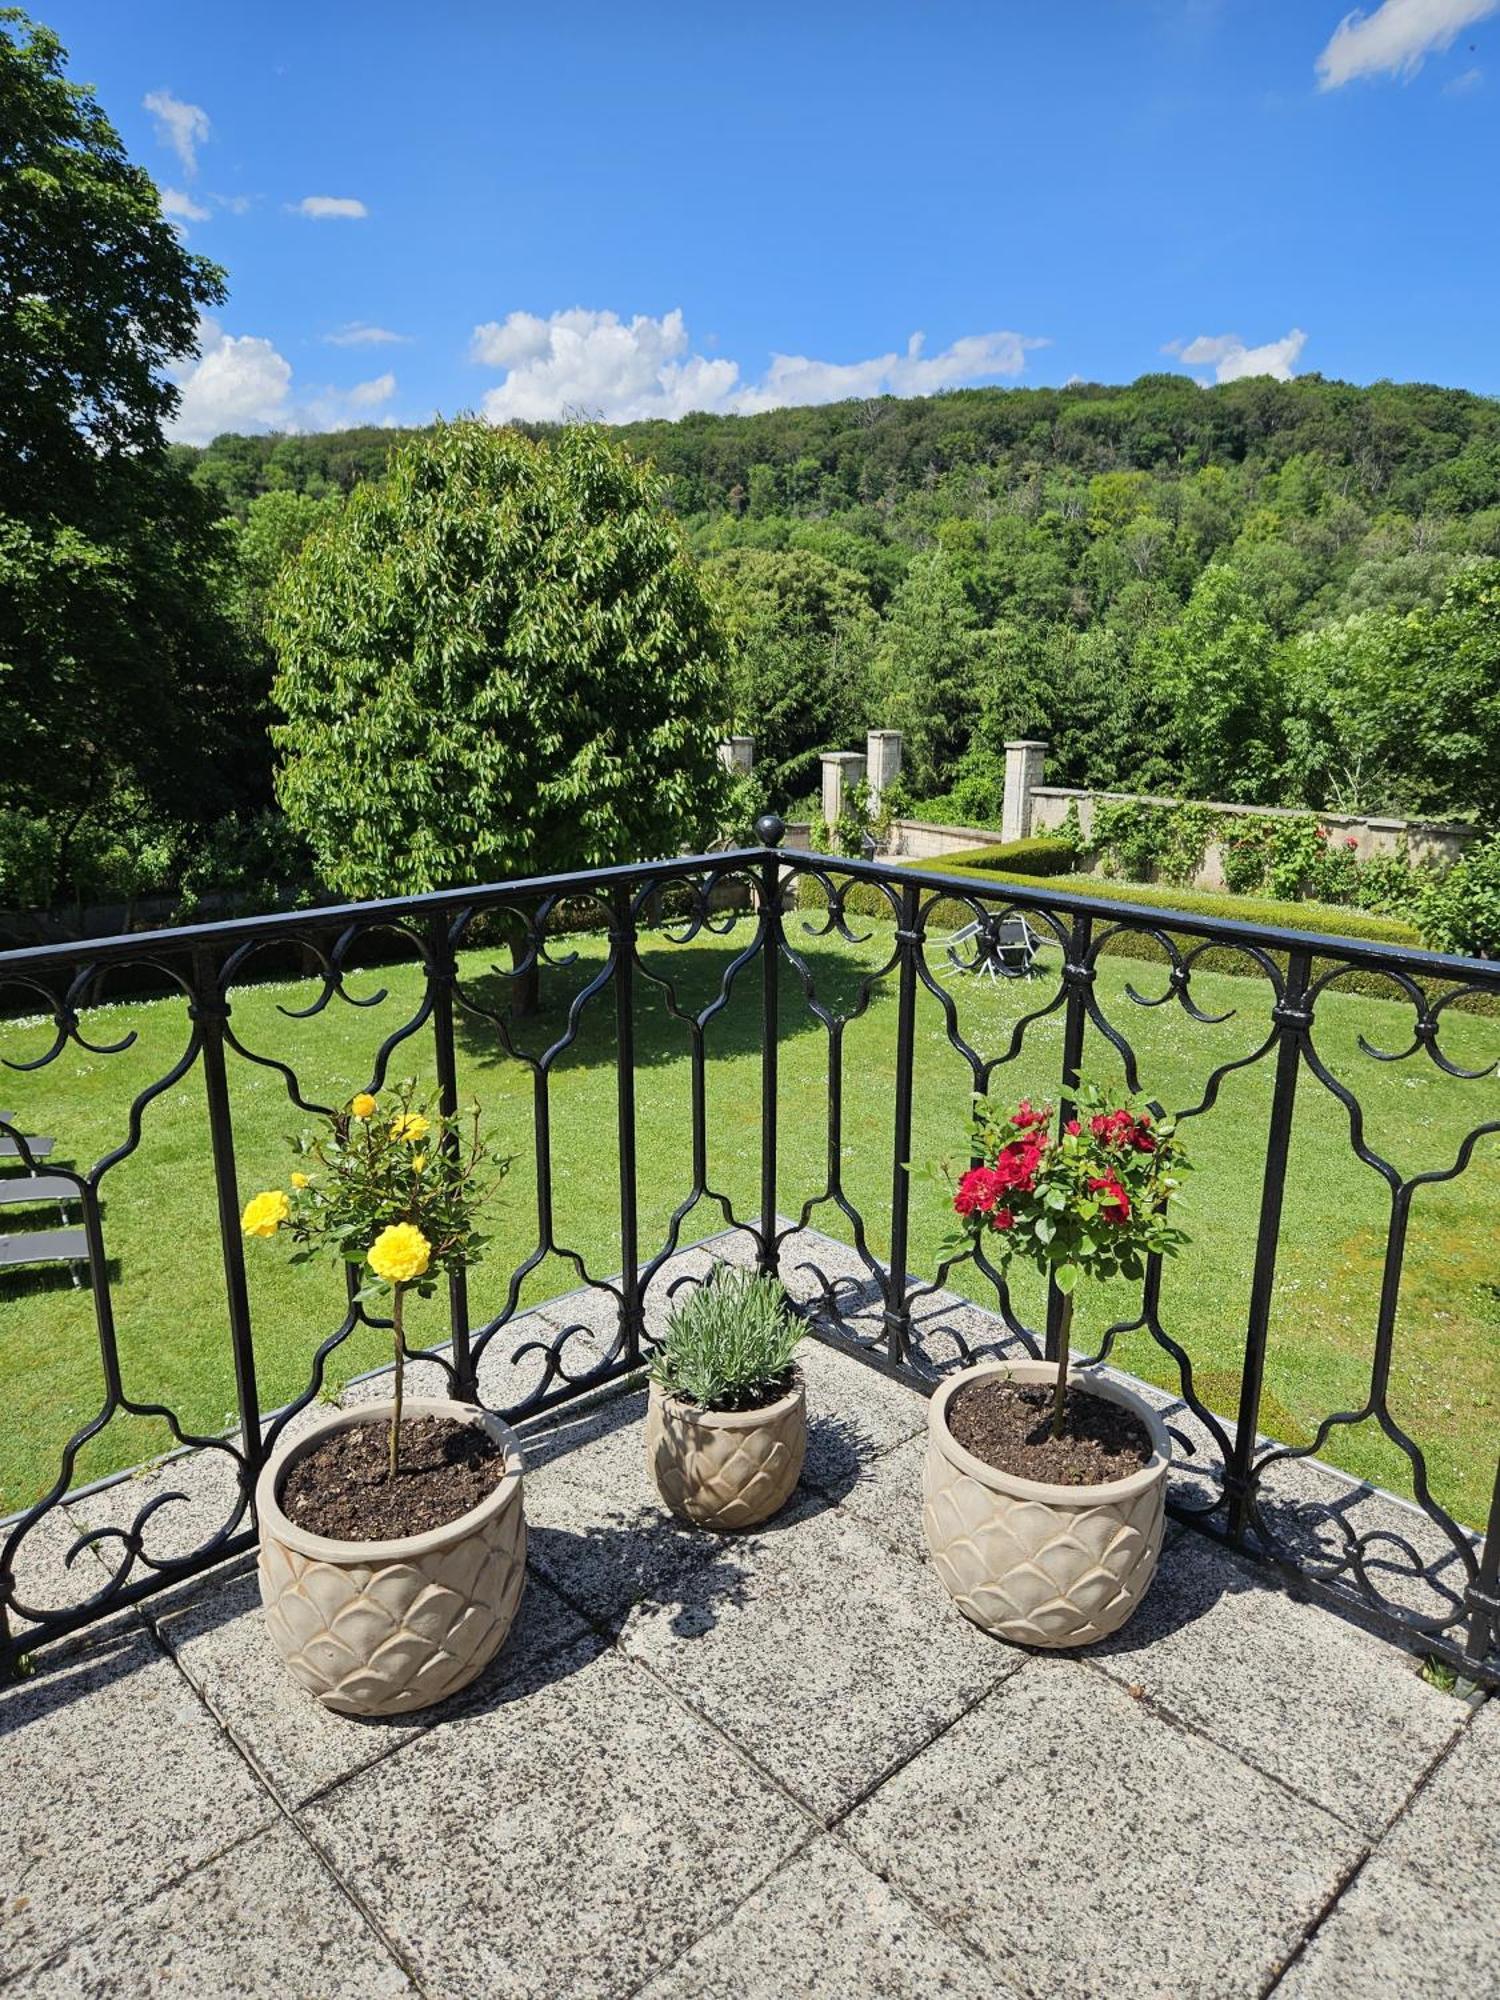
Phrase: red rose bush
{"type": "Point", "coordinates": [1081, 1198]}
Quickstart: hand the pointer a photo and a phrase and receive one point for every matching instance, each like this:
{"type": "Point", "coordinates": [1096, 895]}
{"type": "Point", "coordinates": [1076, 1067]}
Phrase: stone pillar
{"type": "Point", "coordinates": [841, 769]}
{"type": "Point", "coordinates": [882, 761]}
{"type": "Point", "coordinates": [1023, 773]}
{"type": "Point", "coordinates": [737, 753]}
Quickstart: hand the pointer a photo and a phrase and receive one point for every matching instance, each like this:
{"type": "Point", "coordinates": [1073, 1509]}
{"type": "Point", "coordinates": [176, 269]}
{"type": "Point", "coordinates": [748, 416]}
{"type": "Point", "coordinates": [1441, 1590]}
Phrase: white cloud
{"type": "Point", "coordinates": [241, 382]}
{"type": "Point", "coordinates": [237, 204]}
{"type": "Point", "coordinates": [1395, 39]}
{"type": "Point", "coordinates": [237, 383]}
{"type": "Point", "coordinates": [330, 208]}
{"type": "Point", "coordinates": [1231, 360]}
{"type": "Point", "coordinates": [370, 395]}
{"type": "Point", "coordinates": [358, 333]}
{"type": "Point", "coordinates": [181, 207]}
{"type": "Point", "coordinates": [183, 127]}
{"type": "Point", "coordinates": [597, 363]}
{"type": "Point", "coordinates": [1471, 79]}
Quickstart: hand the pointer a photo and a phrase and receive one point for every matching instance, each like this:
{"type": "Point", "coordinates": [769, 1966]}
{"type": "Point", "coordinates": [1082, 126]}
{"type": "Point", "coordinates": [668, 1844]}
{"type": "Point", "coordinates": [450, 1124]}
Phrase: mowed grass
{"type": "Point", "coordinates": [166, 1261]}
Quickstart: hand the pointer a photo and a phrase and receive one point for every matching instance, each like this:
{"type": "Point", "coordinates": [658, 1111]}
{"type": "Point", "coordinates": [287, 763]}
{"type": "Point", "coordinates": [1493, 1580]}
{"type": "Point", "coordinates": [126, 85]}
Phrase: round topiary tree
{"type": "Point", "coordinates": [498, 660]}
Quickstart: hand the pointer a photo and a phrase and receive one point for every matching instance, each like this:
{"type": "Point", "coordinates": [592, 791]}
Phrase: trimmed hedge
{"type": "Point", "coordinates": [865, 900]}
{"type": "Point", "coordinates": [1040, 855]}
{"type": "Point", "coordinates": [1332, 919]}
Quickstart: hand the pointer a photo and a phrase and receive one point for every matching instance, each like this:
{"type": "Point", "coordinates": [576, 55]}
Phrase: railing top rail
{"type": "Point", "coordinates": [180, 939]}
{"type": "Point", "coordinates": [184, 939]}
{"type": "Point", "coordinates": [1233, 930]}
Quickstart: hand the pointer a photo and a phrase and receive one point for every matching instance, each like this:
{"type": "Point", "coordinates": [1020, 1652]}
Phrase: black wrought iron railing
{"type": "Point", "coordinates": [873, 1001]}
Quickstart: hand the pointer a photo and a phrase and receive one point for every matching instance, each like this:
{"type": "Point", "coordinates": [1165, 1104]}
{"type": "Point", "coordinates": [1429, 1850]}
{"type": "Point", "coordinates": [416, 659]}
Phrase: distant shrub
{"type": "Point", "coordinates": [1460, 910]}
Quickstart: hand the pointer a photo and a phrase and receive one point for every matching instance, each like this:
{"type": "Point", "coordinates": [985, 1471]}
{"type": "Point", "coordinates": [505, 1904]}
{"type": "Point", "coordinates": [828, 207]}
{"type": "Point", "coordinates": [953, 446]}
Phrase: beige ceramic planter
{"type": "Point", "coordinates": [725, 1468]}
{"type": "Point", "coordinates": [380, 1628]}
{"type": "Point", "coordinates": [1042, 1565]}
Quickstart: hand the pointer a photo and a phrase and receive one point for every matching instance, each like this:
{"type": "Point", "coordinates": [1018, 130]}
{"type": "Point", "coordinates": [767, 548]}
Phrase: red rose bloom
{"type": "Point", "coordinates": [1002, 1219]}
{"type": "Point", "coordinates": [1016, 1164]}
{"type": "Point", "coordinates": [1073, 1127]}
{"type": "Point", "coordinates": [981, 1188]}
{"type": "Point", "coordinates": [1027, 1115]}
{"type": "Point", "coordinates": [1114, 1203]}
{"type": "Point", "coordinates": [1115, 1128]}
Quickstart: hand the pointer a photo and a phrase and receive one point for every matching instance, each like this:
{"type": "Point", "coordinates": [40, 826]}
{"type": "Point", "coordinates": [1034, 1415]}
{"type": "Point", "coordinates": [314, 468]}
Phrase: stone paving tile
{"type": "Point", "coordinates": [596, 1310]}
{"type": "Point", "coordinates": [599, 1535]}
{"type": "Point", "coordinates": [217, 1635]}
{"type": "Point", "coordinates": [828, 1660]}
{"type": "Point", "coordinates": [266, 1918]}
{"type": "Point", "coordinates": [825, 1928]}
{"type": "Point", "coordinates": [1091, 1849]}
{"type": "Point", "coordinates": [1394, 1936]}
{"type": "Point", "coordinates": [1340, 1715]}
{"type": "Point", "coordinates": [569, 1844]}
{"type": "Point", "coordinates": [854, 1414]}
{"type": "Point", "coordinates": [806, 1252]}
{"type": "Point", "coordinates": [419, 1378]}
{"type": "Point", "coordinates": [887, 1499]}
{"type": "Point", "coordinates": [733, 1246]}
{"type": "Point", "coordinates": [208, 1485]}
{"type": "Point", "coordinates": [508, 1373]}
{"type": "Point", "coordinates": [45, 1579]}
{"type": "Point", "coordinates": [116, 1782]}
{"type": "Point", "coordinates": [948, 1331]}
{"type": "Point", "coordinates": [1310, 1511]}
{"type": "Point", "coordinates": [1450, 1835]}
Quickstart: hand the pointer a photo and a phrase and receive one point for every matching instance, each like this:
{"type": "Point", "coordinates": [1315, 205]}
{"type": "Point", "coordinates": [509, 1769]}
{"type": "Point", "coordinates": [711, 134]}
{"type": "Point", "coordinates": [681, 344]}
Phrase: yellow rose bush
{"type": "Point", "coordinates": [402, 1217]}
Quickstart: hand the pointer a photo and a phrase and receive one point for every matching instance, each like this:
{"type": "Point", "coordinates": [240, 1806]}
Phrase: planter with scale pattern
{"type": "Point", "coordinates": [725, 1468]}
{"type": "Point", "coordinates": [382, 1628]}
{"type": "Point", "coordinates": [1038, 1564]}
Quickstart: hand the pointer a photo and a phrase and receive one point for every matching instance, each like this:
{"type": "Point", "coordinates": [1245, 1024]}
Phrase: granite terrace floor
{"type": "Point", "coordinates": [773, 1765]}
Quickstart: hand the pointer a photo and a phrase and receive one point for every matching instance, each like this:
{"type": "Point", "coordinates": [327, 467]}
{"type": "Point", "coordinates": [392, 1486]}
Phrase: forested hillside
{"type": "Point", "coordinates": [1283, 592]}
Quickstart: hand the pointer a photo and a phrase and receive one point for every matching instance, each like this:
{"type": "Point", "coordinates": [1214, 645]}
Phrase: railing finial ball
{"type": "Point", "coordinates": [769, 829]}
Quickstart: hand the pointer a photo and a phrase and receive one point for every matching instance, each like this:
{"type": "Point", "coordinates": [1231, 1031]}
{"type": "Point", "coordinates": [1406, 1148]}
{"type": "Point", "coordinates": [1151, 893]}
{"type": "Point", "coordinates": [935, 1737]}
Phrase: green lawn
{"type": "Point", "coordinates": [162, 1234]}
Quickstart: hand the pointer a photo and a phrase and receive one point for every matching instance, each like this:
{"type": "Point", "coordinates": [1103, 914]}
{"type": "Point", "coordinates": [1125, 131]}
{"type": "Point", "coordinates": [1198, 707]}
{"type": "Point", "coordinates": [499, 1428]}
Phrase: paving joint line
{"type": "Point", "coordinates": [1169, 1716]}
{"type": "Point", "coordinates": [1371, 1853]}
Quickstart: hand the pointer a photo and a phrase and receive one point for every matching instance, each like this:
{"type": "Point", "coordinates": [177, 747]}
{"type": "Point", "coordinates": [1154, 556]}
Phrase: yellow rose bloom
{"type": "Point", "coordinates": [418, 1161]}
{"type": "Point", "coordinates": [300, 1181]}
{"type": "Point", "coordinates": [400, 1253]}
{"type": "Point", "coordinates": [362, 1106]}
{"type": "Point", "coordinates": [410, 1126]}
{"type": "Point", "coordinates": [265, 1214]}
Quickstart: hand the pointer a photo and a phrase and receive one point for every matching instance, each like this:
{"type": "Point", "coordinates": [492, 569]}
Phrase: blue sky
{"type": "Point", "coordinates": [644, 209]}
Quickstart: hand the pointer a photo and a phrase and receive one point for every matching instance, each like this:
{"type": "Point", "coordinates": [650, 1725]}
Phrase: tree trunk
{"type": "Point", "coordinates": [1064, 1331]}
{"type": "Point", "coordinates": [395, 1438]}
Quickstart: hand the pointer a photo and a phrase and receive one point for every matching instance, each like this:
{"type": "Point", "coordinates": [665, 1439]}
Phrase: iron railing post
{"type": "Point", "coordinates": [1483, 1595]}
{"type": "Point", "coordinates": [908, 944]}
{"type": "Point", "coordinates": [1292, 1021]}
{"type": "Point", "coordinates": [442, 977]}
{"type": "Point", "coordinates": [769, 829]}
{"type": "Point", "coordinates": [1078, 977]}
{"type": "Point", "coordinates": [210, 1009]}
{"type": "Point", "coordinates": [622, 943]}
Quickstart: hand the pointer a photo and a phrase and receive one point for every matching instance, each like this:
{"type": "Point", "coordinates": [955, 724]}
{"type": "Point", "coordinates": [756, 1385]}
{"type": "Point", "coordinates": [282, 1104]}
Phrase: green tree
{"type": "Point", "coordinates": [927, 670]}
{"type": "Point", "coordinates": [1402, 714]}
{"type": "Point", "coordinates": [804, 632]}
{"type": "Point", "coordinates": [1218, 669]}
{"type": "Point", "coordinates": [119, 674]}
{"type": "Point", "coordinates": [496, 661]}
